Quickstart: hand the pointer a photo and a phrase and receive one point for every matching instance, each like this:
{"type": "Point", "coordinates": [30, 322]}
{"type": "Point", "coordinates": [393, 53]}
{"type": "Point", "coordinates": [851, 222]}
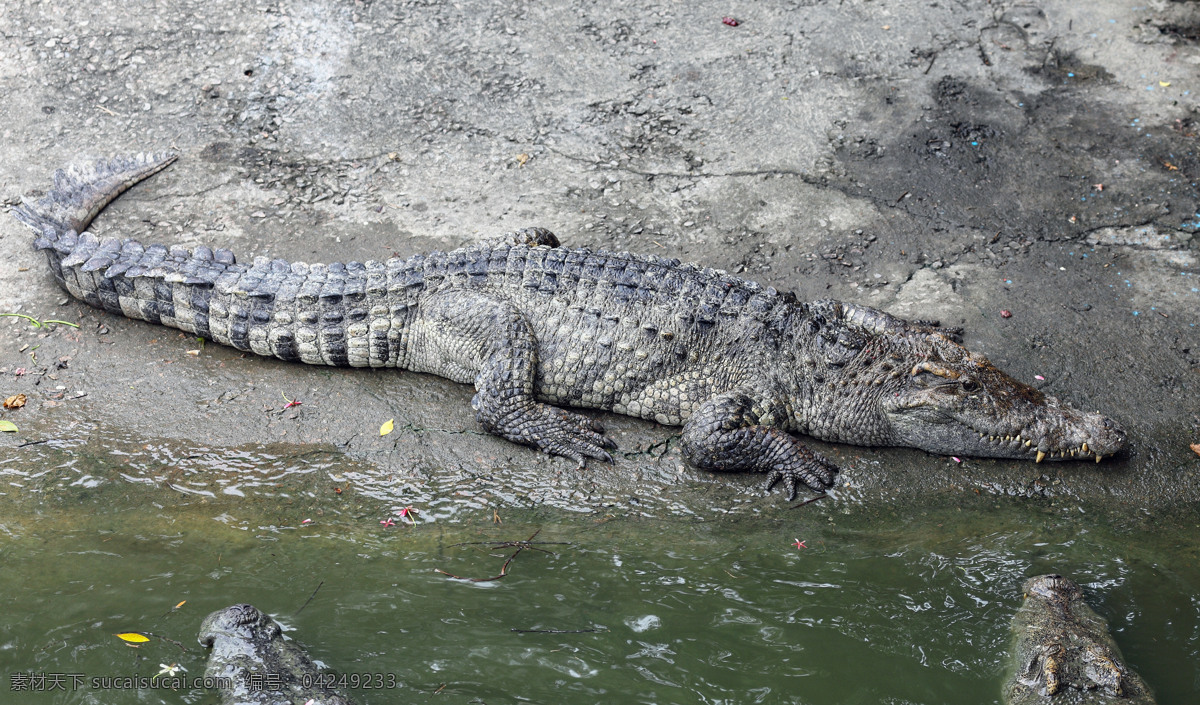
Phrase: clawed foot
{"type": "Point", "coordinates": [573, 436]}
{"type": "Point", "coordinates": [813, 471]}
{"type": "Point", "coordinates": [555, 431]}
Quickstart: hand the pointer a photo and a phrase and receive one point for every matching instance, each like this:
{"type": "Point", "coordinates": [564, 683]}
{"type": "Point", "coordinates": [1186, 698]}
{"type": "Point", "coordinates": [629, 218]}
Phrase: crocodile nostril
{"type": "Point", "coordinates": [1108, 423]}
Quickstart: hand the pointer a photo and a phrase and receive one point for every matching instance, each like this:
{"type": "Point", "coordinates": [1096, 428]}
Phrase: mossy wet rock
{"type": "Point", "coordinates": [1064, 652]}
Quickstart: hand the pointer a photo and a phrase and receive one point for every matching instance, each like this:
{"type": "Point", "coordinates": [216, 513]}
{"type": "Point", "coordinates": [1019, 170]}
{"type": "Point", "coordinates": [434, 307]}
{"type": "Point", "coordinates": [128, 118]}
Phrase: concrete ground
{"type": "Point", "coordinates": [949, 159]}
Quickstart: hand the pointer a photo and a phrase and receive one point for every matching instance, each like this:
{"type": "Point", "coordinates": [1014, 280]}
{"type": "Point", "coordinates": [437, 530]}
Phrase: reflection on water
{"type": "Point", "coordinates": [109, 536]}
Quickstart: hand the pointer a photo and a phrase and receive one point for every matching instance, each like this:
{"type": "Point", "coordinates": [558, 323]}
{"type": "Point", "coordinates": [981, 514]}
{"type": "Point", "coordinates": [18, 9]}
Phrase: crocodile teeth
{"type": "Point", "coordinates": [1097, 457]}
{"type": "Point", "coordinates": [1083, 448]}
{"type": "Point", "coordinates": [1040, 456]}
{"type": "Point", "coordinates": [1028, 443]}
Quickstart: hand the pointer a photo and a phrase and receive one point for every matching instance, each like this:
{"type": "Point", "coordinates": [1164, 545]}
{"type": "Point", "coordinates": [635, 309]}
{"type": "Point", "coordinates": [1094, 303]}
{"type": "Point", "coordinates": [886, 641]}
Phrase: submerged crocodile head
{"type": "Point", "coordinates": [948, 400]}
{"type": "Point", "coordinates": [1054, 589]}
{"type": "Point", "coordinates": [238, 624]}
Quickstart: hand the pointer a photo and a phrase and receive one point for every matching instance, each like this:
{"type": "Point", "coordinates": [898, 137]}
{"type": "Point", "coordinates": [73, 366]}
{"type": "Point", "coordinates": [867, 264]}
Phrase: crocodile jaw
{"type": "Point", "coordinates": [1049, 430]}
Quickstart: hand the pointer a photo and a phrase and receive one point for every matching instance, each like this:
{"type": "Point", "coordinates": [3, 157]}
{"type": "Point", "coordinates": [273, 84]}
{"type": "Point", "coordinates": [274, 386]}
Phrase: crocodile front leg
{"type": "Point", "coordinates": [732, 432]}
{"type": "Point", "coordinates": [472, 337]}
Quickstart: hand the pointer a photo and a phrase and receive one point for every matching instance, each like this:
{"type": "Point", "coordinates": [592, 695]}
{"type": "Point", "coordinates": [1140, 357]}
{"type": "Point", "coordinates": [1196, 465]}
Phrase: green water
{"type": "Point", "coordinates": [720, 611]}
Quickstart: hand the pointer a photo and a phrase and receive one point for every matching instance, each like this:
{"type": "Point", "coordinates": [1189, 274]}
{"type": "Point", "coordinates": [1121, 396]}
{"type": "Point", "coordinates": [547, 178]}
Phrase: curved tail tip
{"type": "Point", "coordinates": [83, 190]}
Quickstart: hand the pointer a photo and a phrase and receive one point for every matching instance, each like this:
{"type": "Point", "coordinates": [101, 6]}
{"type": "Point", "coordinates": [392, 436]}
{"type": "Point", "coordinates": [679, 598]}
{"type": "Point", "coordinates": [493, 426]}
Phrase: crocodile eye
{"type": "Point", "coordinates": [970, 385]}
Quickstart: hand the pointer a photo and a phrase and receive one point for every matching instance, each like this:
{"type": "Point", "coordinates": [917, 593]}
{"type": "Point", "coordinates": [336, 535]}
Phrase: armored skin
{"type": "Point", "coordinates": [250, 653]}
{"type": "Point", "coordinates": [1064, 653]}
{"type": "Point", "coordinates": [536, 326]}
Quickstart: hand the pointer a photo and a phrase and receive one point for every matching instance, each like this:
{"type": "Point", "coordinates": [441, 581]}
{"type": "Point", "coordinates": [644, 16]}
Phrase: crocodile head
{"type": "Point", "coordinates": [238, 623]}
{"type": "Point", "coordinates": [1054, 589]}
{"type": "Point", "coordinates": [944, 399]}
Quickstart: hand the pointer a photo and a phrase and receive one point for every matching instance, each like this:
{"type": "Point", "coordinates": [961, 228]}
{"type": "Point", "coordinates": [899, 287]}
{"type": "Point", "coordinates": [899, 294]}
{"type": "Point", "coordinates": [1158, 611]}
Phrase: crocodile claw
{"type": "Point", "coordinates": [560, 432]}
{"type": "Point", "coordinates": [815, 472]}
{"type": "Point", "coordinates": [789, 483]}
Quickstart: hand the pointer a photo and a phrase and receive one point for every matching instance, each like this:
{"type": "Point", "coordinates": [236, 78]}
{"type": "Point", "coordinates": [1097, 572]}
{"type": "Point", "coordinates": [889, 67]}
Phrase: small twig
{"type": "Point", "coordinates": [503, 571]}
{"type": "Point", "coordinates": [511, 544]}
{"type": "Point", "coordinates": [310, 598]}
{"type": "Point", "coordinates": [555, 631]}
{"type": "Point", "coordinates": [810, 500]}
{"type": "Point", "coordinates": [35, 443]}
{"type": "Point", "coordinates": [448, 574]}
{"type": "Point", "coordinates": [521, 546]}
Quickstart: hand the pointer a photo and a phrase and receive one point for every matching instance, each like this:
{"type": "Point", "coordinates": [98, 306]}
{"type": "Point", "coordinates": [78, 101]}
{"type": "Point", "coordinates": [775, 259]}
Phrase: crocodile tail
{"type": "Point", "coordinates": [82, 191]}
{"type": "Point", "coordinates": [121, 275]}
{"type": "Point", "coordinates": [332, 314]}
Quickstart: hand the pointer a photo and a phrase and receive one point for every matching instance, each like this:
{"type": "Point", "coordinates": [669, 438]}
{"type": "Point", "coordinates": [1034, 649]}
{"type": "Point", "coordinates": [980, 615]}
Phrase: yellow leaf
{"type": "Point", "coordinates": [133, 638]}
{"type": "Point", "coordinates": [1164, 84]}
{"type": "Point", "coordinates": [181, 604]}
{"type": "Point", "coordinates": [387, 427]}
{"type": "Point", "coordinates": [8, 426]}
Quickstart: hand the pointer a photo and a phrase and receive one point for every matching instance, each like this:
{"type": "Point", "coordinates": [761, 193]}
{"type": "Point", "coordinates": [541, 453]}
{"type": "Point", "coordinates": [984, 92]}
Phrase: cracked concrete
{"type": "Point", "coordinates": [936, 160]}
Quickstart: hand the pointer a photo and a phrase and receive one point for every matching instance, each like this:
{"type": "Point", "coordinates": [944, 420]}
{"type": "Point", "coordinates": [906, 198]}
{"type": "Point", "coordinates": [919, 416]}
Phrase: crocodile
{"type": "Point", "coordinates": [536, 326]}
{"type": "Point", "coordinates": [1064, 653]}
{"type": "Point", "coordinates": [252, 664]}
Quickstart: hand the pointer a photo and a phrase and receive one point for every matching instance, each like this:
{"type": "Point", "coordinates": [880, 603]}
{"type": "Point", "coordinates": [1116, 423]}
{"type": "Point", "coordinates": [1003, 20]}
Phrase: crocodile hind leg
{"type": "Point", "coordinates": [470, 337]}
{"type": "Point", "coordinates": [732, 432]}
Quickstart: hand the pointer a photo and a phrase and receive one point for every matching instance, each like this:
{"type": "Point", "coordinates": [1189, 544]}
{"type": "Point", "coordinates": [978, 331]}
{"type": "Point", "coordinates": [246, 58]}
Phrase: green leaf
{"type": "Point", "coordinates": [8, 426]}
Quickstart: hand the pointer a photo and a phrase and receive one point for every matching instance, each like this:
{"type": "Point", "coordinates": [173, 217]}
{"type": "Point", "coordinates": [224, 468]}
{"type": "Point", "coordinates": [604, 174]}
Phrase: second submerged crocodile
{"type": "Point", "coordinates": [534, 325]}
{"type": "Point", "coordinates": [1064, 653]}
